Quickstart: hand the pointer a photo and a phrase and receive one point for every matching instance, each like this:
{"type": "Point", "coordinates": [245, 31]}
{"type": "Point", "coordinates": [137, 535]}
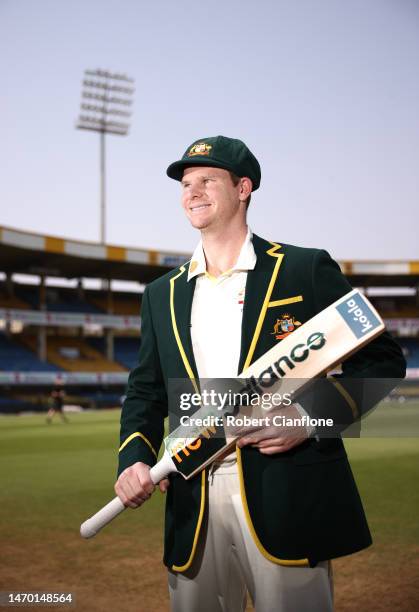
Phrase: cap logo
{"type": "Point", "coordinates": [201, 148]}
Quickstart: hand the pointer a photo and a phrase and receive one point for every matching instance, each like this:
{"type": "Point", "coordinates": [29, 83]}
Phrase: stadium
{"type": "Point", "coordinates": [75, 318]}
{"type": "Point", "coordinates": [98, 99]}
{"type": "Point", "coordinates": [70, 316]}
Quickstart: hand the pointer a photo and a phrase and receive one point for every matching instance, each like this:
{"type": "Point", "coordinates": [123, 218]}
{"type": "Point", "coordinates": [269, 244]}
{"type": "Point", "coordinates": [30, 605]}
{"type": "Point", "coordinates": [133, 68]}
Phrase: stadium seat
{"type": "Point", "coordinates": [14, 357]}
{"type": "Point", "coordinates": [125, 349]}
{"type": "Point", "coordinates": [85, 359]}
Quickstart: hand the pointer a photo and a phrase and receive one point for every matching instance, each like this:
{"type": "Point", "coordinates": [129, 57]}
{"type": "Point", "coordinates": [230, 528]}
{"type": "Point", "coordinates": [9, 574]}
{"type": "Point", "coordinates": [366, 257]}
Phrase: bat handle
{"type": "Point", "coordinates": [162, 468]}
{"type": "Point", "coordinates": [105, 515]}
{"type": "Point", "coordinates": [99, 520]}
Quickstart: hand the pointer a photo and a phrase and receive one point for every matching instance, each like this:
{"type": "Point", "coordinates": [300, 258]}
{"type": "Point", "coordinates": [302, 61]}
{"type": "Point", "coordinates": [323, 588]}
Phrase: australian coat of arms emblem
{"type": "Point", "coordinates": [200, 148]}
{"type": "Point", "coordinates": [284, 326]}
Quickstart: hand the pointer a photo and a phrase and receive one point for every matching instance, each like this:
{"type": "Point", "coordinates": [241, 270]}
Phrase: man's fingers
{"type": "Point", "coordinates": [131, 496]}
{"type": "Point", "coordinates": [264, 442]}
{"type": "Point", "coordinates": [143, 476]}
{"type": "Point", "coordinates": [138, 496]}
{"type": "Point", "coordinates": [249, 439]}
{"type": "Point", "coordinates": [128, 495]}
{"type": "Point", "coordinates": [125, 498]}
{"type": "Point", "coordinates": [276, 447]}
{"type": "Point", "coordinates": [272, 450]}
{"type": "Point", "coordinates": [164, 485]}
{"type": "Point", "coordinates": [134, 485]}
{"type": "Point", "coordinates": [256, 437]}
{"type": "Point", "coordinates": [271, 445]}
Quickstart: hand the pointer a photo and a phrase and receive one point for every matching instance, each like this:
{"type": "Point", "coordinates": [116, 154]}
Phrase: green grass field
{"type": "Point", "coordinates": [53, 477]}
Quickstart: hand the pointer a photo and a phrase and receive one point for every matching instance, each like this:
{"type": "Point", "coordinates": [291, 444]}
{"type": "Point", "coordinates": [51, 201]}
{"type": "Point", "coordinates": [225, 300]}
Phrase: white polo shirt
{"type": "Point", "coordinates": [217, 312]}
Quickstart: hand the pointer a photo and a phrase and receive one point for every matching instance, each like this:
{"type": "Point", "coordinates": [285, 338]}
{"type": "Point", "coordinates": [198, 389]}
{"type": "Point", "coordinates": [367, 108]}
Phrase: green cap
{"type": "Point", "coordinates": [219, 152]}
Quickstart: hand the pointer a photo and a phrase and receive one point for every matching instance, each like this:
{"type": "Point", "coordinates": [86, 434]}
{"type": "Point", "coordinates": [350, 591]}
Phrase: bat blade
{"type": "Point", "coordinates": [316, 347]}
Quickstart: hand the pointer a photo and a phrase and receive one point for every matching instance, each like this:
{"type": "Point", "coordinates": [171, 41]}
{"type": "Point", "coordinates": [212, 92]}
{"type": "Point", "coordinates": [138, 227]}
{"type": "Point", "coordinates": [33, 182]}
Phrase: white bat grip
{"type": "Point", "coordinates": [99, 520]}
{"type": "Point", "coordinates": [162, 468]}
{"type": "Point", "coordinates": [96, 522]}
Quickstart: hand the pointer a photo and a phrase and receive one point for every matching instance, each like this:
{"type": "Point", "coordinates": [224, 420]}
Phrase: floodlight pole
{"type": "Point", "coordinates": [102, 188]}
{"type": "Point", "coordinates": [99, 86]}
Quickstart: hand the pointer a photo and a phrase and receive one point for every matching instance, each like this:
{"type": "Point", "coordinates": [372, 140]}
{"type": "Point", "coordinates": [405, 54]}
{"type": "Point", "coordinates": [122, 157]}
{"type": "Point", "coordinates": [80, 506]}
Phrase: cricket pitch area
{"type": "Point", "coordinates": [55, 476]}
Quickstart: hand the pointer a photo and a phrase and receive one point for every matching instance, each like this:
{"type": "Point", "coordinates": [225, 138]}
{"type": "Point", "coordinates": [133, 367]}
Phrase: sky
{"type": "Point", "coordinates": [324, 92]}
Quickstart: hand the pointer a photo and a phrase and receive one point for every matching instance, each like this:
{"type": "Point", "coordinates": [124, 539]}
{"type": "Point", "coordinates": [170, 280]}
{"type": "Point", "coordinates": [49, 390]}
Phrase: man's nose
{"type": "Point", "coordinates": [196, 190]}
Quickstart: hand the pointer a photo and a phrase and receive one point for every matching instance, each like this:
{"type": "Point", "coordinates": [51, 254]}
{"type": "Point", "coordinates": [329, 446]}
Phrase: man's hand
{"type": "Point", "coordinates": [134, 486]}
{"type": "Point", "coordinates": [277, 438]}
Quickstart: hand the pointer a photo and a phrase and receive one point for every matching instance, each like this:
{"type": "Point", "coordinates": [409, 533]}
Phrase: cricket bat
{"type": "Point", "coordinates": [307, 353]}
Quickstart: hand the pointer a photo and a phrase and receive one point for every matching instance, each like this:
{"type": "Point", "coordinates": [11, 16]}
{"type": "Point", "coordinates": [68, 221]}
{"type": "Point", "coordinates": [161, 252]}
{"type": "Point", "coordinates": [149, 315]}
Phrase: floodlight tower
{"type": "Point", "coordinates": [105, 95]}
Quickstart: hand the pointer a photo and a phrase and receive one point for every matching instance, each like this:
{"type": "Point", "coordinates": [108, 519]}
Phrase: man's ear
{"type": "Point", "coordinates": [245, 188]}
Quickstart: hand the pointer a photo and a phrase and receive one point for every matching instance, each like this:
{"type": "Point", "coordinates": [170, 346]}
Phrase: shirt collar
{"type": "Point", "coordinates": [245, 261]}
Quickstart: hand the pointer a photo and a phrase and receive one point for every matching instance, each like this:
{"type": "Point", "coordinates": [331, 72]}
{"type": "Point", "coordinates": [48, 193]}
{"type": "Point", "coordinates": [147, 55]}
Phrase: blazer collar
{"type": "Point", "coordinates": [259, 287]}
{"type": "Point", "coordinates": [181, 295]}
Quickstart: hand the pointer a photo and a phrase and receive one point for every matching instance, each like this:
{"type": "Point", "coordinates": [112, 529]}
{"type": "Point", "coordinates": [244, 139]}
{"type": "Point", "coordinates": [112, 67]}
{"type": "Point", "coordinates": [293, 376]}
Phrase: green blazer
{"type": "Point", "coordinates": [302, 506]}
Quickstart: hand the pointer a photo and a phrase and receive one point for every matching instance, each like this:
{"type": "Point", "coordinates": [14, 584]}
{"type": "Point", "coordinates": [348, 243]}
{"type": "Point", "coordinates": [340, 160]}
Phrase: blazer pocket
{"type": "Point", "coordinates": [286, 301]}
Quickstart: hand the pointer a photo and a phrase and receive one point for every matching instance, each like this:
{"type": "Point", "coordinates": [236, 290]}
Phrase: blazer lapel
{"type": "Point", "coordinates": [259, 287]}
{"type": "Point", "coordinates": [181, 295]}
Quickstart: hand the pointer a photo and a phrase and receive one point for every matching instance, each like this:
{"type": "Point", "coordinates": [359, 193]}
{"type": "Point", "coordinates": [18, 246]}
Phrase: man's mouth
{"type": "Point", "coordinates": [199, 207]}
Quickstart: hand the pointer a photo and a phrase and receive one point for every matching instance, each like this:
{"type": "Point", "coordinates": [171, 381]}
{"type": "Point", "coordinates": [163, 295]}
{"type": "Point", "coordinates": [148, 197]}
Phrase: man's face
{"type": "Point", "coordinates": [209, 197]}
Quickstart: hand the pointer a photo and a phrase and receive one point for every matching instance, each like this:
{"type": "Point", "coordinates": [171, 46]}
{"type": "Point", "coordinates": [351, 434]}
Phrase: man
{"type": "Point", "coordinates": [268, 518]}
{"type": "Point", "coordinates": [56, 403]}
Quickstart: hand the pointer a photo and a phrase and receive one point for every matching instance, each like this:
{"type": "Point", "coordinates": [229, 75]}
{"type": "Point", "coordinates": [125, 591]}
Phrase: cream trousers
{"type": "Point", "coordinates": [228, 564]}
